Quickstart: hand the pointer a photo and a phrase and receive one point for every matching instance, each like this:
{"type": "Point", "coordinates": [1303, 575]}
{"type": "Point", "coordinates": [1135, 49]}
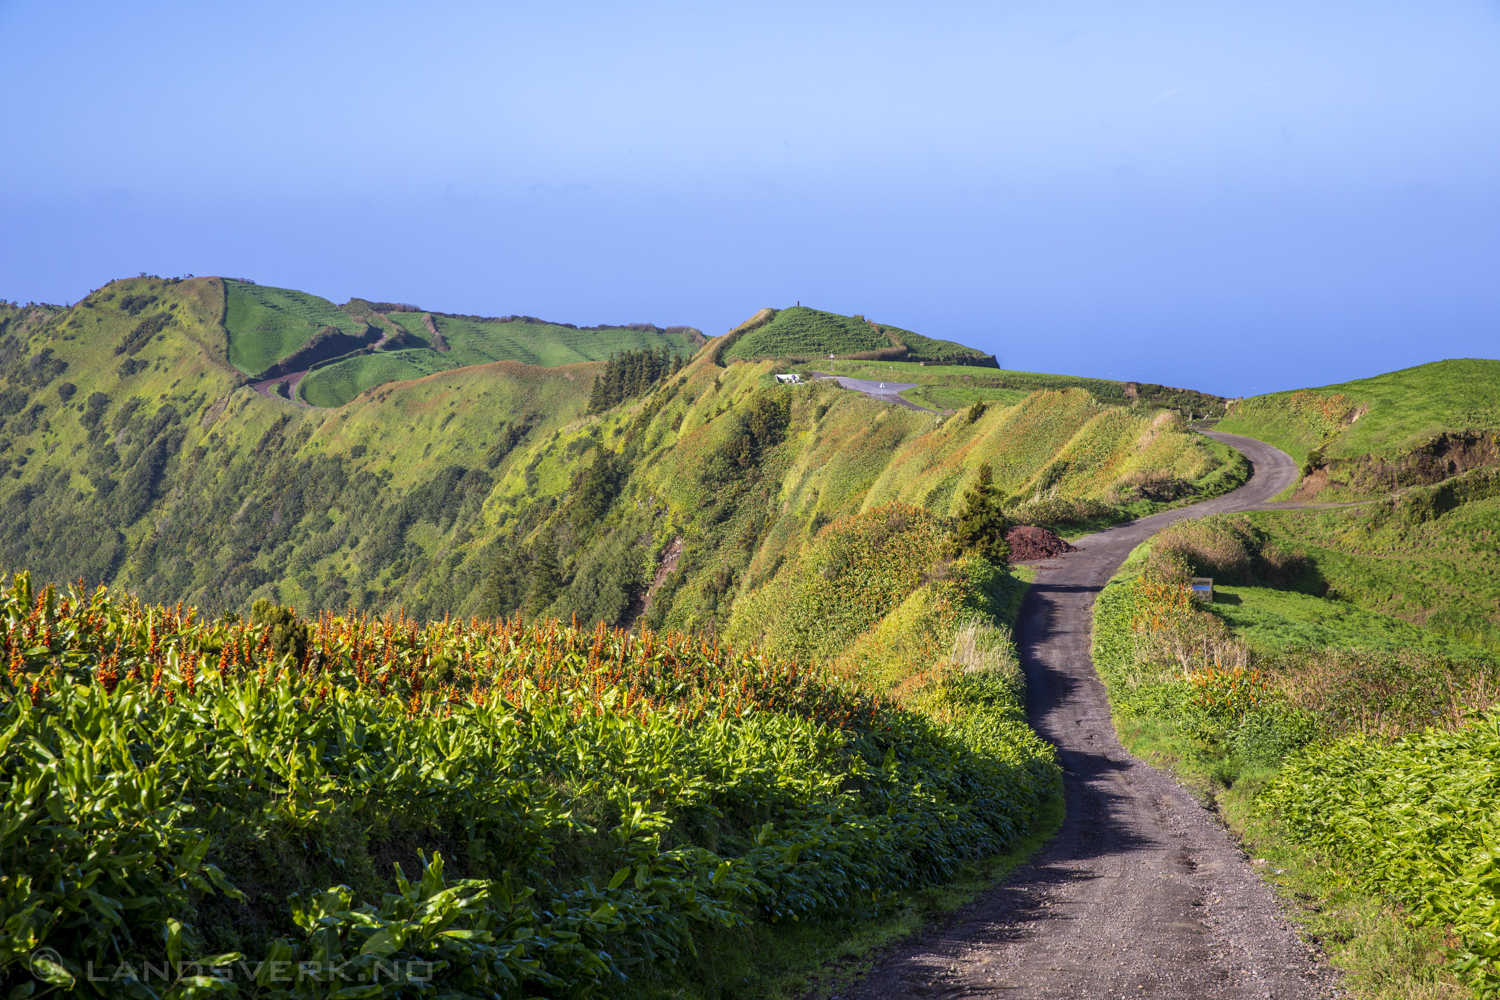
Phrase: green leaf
{"type": "Point", "coordinates": [619, 877]}
{"type": "Point", "coordinates": [174, 941]}
{"type": "Point", "coordinates": [49, 971]}
{"type": "Point", "coordinates": [217, 878]}
{"type": "Point", "coordinates": [382, 942]}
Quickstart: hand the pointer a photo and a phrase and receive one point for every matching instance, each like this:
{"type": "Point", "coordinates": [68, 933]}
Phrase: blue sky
{"type": "Point", "coordinates": [1233, 196]}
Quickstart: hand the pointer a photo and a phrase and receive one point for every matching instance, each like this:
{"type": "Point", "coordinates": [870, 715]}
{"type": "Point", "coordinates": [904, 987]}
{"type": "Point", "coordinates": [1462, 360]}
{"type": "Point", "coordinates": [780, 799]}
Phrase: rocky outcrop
{"type": "Point", "coordinates": [1445, 456]}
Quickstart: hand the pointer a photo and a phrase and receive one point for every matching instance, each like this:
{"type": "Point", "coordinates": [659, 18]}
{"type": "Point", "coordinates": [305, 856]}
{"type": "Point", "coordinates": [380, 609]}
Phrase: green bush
{"type": "Point", "coordinates": [981, 525]}
{"type": "Point", "coordinates": [613, 803]}
{"type": "Point", "coordinates": [1413, 820]}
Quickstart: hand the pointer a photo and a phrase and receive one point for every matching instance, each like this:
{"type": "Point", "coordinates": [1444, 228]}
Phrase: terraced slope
{"type": "Point", "coordinates": [801, 332]}
{"type": "Point", "coordinates": [265, 324]}
{"type": "Point", "coordinates": [472, 340]}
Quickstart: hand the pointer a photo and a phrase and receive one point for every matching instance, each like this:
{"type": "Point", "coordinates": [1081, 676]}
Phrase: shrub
{"type": "Point", "coordinates": [611, 802]}
{"type": "Point", "coordinates": [981, 524]}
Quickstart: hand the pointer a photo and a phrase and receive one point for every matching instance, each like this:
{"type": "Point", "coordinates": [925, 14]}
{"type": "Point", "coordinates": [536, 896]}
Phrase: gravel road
{"type": "Point", "coordinates": [1142, 893]}
{"type": "Point", "coordinates": [887, 392]}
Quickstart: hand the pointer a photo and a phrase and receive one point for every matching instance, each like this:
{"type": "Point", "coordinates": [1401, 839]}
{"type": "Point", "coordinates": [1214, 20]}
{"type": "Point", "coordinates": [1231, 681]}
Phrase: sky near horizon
{"type": "Point", "coordinates": [1237, 197]}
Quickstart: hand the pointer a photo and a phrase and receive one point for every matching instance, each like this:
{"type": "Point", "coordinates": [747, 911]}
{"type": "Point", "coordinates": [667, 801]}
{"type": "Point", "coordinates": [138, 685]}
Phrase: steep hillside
{"type": "Point", "coordinates": [803, 333]}
{"type": "Point", "coordinates": [265, 333]}
{"type": "Point", "coordinates": [1365, 438]}
{"type": "Point", "coordinates": [487, 489]}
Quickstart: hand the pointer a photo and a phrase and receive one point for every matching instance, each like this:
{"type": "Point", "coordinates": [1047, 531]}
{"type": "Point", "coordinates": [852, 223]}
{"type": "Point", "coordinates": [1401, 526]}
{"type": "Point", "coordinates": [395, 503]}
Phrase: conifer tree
{"type": "Point", "coordinates": [981, 523]}
{"type": "Point", "coordinates": [546, 577]}
{"type": "Point", "coordinates": [632, 373]}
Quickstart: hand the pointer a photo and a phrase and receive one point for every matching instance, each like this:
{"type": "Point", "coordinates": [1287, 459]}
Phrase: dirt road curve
{"type": "Point", "coordinates": [1142, 893]}
{"type": "Point", "coordinates": [292, 381]}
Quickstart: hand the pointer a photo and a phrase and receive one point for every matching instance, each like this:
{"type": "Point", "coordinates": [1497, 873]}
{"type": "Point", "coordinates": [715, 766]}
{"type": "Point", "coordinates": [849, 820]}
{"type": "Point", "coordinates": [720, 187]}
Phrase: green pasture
{"type": "Point", "coordinates": [1281, 620]}
{"type": "Point", "coordinates": [1443, 573]}
{"type": "Point", "coordinates": [479, 342]}
{"type": "Point", "coordinates": [265, 324]}
{"type": "Point", "coordinates": [1402, 410]}
{"type": "Point", "coordinates": [341, 381]}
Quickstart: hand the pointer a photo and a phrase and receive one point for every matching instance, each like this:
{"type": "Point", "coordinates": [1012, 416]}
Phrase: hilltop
{"type": "Point", "coordinates": [803, 334]}
{"type": "Point", "coordinates": [1365, 438]}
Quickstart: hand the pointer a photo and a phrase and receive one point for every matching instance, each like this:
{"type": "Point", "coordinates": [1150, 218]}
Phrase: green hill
{"type": "Point", "coordinates": [1365, 438]}
{"type": "Point", "coordinates": [266, 332]}
{"type": "Point", "coordinates": [132, 452]}
{"type": "Point", "coordinates": [803, 333]}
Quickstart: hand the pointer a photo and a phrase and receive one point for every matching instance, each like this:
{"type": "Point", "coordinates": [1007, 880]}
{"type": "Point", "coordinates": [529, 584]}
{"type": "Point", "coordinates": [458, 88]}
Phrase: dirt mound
{"type": "Point", "coordinates": [1027, 543]}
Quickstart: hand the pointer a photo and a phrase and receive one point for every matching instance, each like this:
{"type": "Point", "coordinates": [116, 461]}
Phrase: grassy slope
{"type": "Point", "coordinates": [340, 382]}
{"type": "Point", "coordinates": [477, 342]}
{"type": "Point", "coordinates": [415, 490]}
{"type": "Point", "coordinates": [928, 347]}
{"type": "Point", "coordinates": [802, 332]}
{"type": "Point", "coordinates": [1278, 621]}
{"type": "Point", "coordinates": [1442, 573]}
{"type": "Point", "coordinates": [265, 323]}
{"type": "Point", "coordinates": [1405, 409]}
{"type": "Point", "coordinates": [474, 341]}
{"type": "Point", "coordinates": [956, 386]}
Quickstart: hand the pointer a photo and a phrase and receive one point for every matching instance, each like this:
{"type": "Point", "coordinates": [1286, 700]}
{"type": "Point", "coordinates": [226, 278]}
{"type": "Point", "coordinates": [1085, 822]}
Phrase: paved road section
{"type": "Point", "coordinates": [885, 391]}
{"type": "Point", "coordinates": [1142, 893]}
